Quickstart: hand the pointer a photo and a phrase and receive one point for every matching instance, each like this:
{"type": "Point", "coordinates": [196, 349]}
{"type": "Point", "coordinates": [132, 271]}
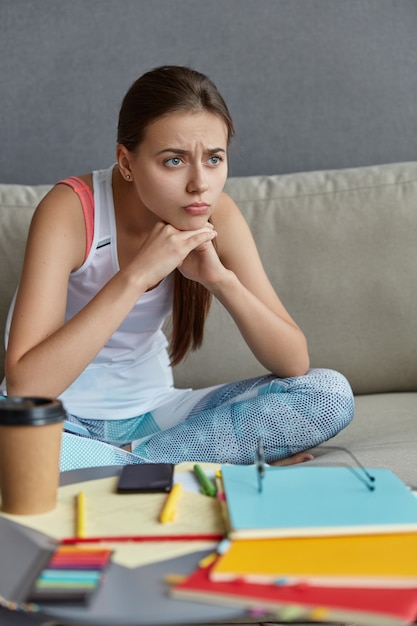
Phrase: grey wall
{"type": "Point", "coordinates": [312, 84]}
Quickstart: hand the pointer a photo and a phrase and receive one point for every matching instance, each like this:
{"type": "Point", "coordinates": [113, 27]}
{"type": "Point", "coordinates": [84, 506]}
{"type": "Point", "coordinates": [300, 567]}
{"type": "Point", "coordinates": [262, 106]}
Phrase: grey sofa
{"type": "Point", "coordinates": [340, 248]}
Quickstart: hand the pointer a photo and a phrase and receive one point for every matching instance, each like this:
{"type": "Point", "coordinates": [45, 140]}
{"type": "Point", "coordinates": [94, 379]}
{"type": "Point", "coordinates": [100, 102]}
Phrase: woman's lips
{"type": "Point", "coordinates": [197, 208]}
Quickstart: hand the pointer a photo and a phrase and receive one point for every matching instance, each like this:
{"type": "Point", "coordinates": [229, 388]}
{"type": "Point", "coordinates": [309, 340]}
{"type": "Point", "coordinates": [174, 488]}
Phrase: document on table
{"type": "Point", "coordinates": [109, 513]}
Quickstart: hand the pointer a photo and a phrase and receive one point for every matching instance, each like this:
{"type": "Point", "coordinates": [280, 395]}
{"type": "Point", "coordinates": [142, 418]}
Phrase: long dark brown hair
{"type": "Point", "coordinates": [161, 91]}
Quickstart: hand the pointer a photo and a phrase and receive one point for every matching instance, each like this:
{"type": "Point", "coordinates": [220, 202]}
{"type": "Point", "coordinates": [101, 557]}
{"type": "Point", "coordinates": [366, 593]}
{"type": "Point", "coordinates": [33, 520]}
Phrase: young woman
{"type": "Point", "coordinates": [112, 253]}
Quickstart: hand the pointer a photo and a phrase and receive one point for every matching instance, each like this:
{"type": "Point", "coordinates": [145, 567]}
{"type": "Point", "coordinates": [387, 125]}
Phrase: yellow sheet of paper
{"type": "Point", "coordinates": [109, 513]}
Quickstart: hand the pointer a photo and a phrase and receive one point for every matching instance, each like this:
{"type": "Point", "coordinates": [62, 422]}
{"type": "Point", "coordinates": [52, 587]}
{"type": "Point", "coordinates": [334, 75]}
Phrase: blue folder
{"type": "Point", "coordinates": [311, 501]}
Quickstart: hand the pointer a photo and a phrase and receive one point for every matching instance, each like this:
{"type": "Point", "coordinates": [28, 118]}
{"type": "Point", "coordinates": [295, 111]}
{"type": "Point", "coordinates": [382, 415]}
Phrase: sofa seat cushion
{"type": "Point", "coordinates": [383, 434]}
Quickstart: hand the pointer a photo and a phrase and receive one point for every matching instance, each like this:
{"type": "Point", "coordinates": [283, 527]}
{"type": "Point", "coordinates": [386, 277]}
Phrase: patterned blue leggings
{"type": "Point", "coordinates": [223, 426]}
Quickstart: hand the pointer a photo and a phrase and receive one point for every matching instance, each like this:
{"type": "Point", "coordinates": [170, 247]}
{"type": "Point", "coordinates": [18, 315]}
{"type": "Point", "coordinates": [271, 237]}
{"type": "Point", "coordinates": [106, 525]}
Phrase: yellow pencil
{"type": "Point", "coordinates": [80, 531]}
{"type": "Point", "coordinates": [170, 507]}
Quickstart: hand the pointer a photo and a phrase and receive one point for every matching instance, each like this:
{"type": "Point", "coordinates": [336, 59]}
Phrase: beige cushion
{"type": "Point", "coordinates": [17, 203]}
{"type": "Point", "coordinates": [383, 433]}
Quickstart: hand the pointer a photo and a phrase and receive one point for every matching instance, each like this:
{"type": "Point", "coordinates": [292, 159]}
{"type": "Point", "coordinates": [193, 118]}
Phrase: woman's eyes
{"type": "Point", "coordinates": [214, 160]}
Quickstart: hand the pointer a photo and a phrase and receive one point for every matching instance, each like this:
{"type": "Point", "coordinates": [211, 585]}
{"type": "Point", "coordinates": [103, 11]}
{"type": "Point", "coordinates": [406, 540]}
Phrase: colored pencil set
{"type": "Point", "coordinates": [72, 574]}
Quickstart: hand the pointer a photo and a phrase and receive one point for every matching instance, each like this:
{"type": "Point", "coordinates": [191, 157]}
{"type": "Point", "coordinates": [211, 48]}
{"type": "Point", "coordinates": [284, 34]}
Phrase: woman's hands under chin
{"type": "Point", "coordinates": [167, 248]}
{"type": "Point", "coordinates": [203, 266]}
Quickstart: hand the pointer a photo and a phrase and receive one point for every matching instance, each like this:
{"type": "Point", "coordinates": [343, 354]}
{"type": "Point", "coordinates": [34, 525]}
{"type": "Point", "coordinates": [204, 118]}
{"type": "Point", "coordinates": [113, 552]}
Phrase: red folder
{"type": "Point", "coordinates": [373, 606]}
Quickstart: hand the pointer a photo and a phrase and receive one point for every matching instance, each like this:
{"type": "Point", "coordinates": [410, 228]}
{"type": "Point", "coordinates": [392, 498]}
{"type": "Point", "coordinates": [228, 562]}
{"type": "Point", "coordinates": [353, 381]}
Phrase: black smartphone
{"type": "Point", "coordinates": [146, 478]}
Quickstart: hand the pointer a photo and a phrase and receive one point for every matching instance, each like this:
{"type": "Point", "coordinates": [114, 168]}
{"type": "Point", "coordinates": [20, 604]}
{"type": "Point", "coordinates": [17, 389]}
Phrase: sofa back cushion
{"type": "Point", "coordinates": [340, 249]}
{"type": "Point", "coordinates": [17, 203]}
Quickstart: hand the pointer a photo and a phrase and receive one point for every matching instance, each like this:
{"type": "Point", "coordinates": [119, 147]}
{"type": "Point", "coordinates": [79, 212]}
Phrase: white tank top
{"type": "Point", "coordinates": [131, 375]}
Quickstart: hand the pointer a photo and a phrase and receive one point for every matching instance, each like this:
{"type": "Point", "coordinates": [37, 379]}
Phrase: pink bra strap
{"type": "Point", "coordinates": [87, 202]}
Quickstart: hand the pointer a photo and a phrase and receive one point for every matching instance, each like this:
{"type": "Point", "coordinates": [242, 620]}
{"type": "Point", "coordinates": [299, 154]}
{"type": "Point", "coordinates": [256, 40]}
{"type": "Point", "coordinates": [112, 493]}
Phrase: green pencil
{"type": "Point", "coordinates": [207, 486]}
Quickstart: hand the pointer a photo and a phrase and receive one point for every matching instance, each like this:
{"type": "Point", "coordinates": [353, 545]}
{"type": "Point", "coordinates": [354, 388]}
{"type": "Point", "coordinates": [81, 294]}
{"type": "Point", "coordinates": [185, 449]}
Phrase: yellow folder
{"type": "Point", "coordinates": [371, 560]}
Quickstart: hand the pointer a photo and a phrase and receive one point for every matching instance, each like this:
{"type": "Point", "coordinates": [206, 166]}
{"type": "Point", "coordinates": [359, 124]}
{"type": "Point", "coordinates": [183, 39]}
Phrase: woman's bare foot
{"type": "Point", "coordinates": [300, 457]}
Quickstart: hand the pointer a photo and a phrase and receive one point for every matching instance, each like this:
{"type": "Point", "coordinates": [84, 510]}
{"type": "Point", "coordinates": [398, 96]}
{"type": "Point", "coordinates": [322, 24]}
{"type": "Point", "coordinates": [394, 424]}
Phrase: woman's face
{"type": "Point", "coordinates": [180, 168]}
